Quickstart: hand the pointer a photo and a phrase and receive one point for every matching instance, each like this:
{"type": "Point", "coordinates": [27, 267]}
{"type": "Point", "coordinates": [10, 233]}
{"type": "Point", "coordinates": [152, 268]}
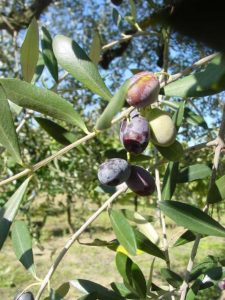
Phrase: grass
{"type": "Point", "coordinates": [93, 263]}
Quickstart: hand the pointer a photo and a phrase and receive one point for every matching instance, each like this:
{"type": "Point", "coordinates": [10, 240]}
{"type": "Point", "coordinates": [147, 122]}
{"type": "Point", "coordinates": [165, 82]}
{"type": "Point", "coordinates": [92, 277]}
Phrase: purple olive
{"type": "Point", "coordinates": [24, 296]}
{"type": "Point", "coordinates": [116, 2]}
{"type": "Point", "coordinates": [135, 134]}
{"type": "Point", "coordinates": [113, 171]}
{"type": "Point", "coordinates": [141, 181]}
{"type": "Point", "coordinates": [143, 89]}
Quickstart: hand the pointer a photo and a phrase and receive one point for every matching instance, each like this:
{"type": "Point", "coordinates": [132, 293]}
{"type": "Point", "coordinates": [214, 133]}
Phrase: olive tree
{"type": "Point", "coordinates": [157, 152]}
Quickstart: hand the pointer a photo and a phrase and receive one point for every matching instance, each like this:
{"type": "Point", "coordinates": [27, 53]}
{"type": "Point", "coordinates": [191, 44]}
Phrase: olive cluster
{"type": "Point", "coordinates": [143, 90]}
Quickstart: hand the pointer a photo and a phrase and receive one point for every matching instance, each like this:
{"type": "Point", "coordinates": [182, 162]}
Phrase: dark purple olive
{"type": "Point", "coordinates": [24, 296]}
{"type": "Point", "coordinates": [113, 171]}
{"type": "Point", "coordinates": [143, 89]}
{"type": "Point", "coordinates": [135, 134]}
{"type": "Point", "coordinates": [116, 2]}
{"type": "Point", "coordinates": [141, 181]}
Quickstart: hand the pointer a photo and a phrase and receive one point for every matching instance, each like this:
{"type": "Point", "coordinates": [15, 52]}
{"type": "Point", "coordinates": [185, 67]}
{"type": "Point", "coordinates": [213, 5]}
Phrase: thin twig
{"type": "Point", "coordinates": [126, 38]}
{"type": "Point", "coordinates": [74, 237]}
{"type": "Point", "coordinates": [188, 70]}
{"type": "Point", "coordinates": [163, 79]}
{"type": "Point", "coordinates": [60, 80]}
{"type": "Point", "coordinates": [220, 141]}
{"type": "Point", "coordinates": [61, 152]}
{"type": "Point", "coordinates": [48, 159]}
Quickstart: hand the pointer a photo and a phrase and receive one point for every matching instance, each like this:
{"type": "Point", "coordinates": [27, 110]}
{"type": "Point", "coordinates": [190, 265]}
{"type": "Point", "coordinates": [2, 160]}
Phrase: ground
{"type": "Point", "coordinates": [92, 263]}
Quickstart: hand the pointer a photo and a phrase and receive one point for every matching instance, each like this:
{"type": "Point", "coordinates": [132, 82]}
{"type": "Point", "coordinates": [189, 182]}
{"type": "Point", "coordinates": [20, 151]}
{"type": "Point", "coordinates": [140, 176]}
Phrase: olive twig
{"type": "Point", "coordinates": [75, 236]}
{"type": "Point", "coordinates": [93, 134]}
{"type": "Point", "coordinates": [126, 38]}
{"type": "Point", "coordinates": [188, 70]}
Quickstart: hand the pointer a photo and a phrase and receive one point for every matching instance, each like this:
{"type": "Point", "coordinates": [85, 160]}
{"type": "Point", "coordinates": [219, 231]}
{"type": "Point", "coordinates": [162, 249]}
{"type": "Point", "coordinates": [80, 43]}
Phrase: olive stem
{"type": "Point", "coordinates": [220, 145]}
{"type": "Point", "coordinates": [27, 288]}
{"type": "Point", "coordinates": [126, 38]}
{"type": "Point", "coordinates": [188, 70]}
{"type": "Point", "coordinates": [75, 236]}
{"type": "Point", "coordinates": [163, 79]}
{"type": "Point", "coordinates": [48, 159]}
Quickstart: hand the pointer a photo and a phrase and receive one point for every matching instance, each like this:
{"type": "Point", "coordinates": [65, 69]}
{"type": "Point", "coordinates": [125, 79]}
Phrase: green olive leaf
{"type": "Point", "coordinates": [41, 100]}
{"type": "Point", "coordinates": [29, 51]}
{"type": "Point", "coordinates": [75, 61]}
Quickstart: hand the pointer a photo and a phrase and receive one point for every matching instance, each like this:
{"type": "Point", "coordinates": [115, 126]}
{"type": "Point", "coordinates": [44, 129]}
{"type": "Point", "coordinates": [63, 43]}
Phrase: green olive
{"type": "Point", "coordinates": [163, 131]}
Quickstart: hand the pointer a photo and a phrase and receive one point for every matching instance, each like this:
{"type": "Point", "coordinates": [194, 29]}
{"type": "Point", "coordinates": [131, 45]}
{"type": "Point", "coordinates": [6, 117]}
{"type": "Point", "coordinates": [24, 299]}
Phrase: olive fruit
{"type": "Point", "coordinates": [116, 2]}
{"type": "Point", "coordinates": [135, 134]}
{"type": "Point", "coordinates": [24, 296]}
{"type": "Point", "coordinates": [141, 181]}
{"type": "Point", "coordinates": [113, 171]}
{"type": "Point", "coordinates": [221, 284]}
{"type": "Point", "coordinates": [143, 89]}
{"type": "Point", "coordinates": [162, 129]}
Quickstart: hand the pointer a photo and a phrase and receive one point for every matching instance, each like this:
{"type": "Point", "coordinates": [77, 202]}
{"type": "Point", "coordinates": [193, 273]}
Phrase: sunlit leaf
{"type": "Point", "coordinates": [122, 290]}
{"type": "Point", "coordinates": [193, 172]}
{"type": "Point", "coordinates": [143, 225]}
{"type": "Point", "coordinates": [29, 51]}
{"type": "Point", "coordinates": [217, 191]}
{"type": "Point", "coordinates": [114, 106]}
{"type": "Point", "coordinates": [178, 115]}
{"type": "Point", "coordinates": [133, 9]}
{"type": "Point", "coordinates": [169, 181]}
{"type": "Point", "coordinates": [95, 50]}
{"type": "Point", "coordinates": [48, 55]}
{"type": "Point", "coordinates": [9, 210]}
{"type": "Point", "coordinates": [87, 287]}
{"type": "Point", "coordinates": [145, 245]}
{"type": "Point", "coordinates": [41, 100]}
{"type": "Point", "coordinates": [63, 290]}
{"type": "Point", "coordinates": [192, 218]}
{"type": "Point", "coordinates": [123, 231]}
{"type": "Point", "coordinates": [22, 245]}
{"type": "Point", "coordinates": [39, 68]}
{"type": "Point", "coordinates": [186, 237]}
{"type": "Point", "coordinates": [8, 136]}
{"type": "Point", "coordinates": [74, 60]}
{"type": "Point", "coordinates": [15, 109]}
{"type": "Point", "coordinates": [131, 274]}
{"type": "Point", "coordinates": [91, 296]}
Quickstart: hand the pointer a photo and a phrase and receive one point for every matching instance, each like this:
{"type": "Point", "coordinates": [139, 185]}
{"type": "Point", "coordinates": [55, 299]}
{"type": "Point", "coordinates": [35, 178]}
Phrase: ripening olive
{"type": "Point", "coordinates": [135, 134]}
{"type": "Point", "coordinates": [113, 171]}
{"type": "Point", "coordinates": [141, 181]}
{"type": "Point", "coordinates": [24, 296]}
{"type": "Point", "coordinates": [162, 128]}
{"type": "Point", "coordinates": [143, 89]}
